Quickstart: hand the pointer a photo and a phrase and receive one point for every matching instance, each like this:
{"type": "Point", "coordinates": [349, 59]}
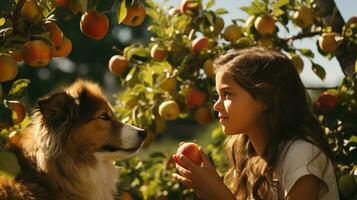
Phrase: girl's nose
{"type": "Point", "coordinates": [217, 105]}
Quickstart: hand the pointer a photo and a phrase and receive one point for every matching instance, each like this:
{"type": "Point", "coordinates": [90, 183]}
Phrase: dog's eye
{"type": "Point", "coordinates": [104, 116]}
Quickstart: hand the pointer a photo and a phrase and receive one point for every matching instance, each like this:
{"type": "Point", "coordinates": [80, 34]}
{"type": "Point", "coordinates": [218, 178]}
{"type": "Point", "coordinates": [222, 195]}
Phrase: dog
{"type": "Point", "coordinates": [67, 151]}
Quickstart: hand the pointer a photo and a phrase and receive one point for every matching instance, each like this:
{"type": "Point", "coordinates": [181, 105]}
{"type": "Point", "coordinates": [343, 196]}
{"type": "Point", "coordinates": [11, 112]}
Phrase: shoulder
{"type": "Point", "coordinates": [298, 155]}
{"type": "Point", "coordinates": [300, 151]}
{"type": "Point", "coordinates": [299, 158]}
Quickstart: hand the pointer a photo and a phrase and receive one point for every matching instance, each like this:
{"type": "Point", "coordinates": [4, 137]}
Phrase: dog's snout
{"type": "Point", "coordinates": [142, 134]}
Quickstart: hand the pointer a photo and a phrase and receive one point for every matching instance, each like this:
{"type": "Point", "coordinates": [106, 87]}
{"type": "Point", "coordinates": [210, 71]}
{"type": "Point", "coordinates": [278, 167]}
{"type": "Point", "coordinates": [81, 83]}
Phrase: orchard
{"type": "Point", "coordinates": [170, 77]}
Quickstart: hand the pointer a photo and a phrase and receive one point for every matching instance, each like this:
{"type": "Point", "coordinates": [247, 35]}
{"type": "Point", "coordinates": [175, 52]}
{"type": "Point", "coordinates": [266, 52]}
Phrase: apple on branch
{"type": "Point", "coordinates": [94, 24]}
{"type": "Point", "coordinates": [37, 53]}
{"type": "Point", "coordinates": [169, 110]}
{"type": "Point", "coordinates": [8, 68]}
{"type": "Point", "coordinates": [135, 15]}
{"type": "Point", "coordinates": [118, 64]}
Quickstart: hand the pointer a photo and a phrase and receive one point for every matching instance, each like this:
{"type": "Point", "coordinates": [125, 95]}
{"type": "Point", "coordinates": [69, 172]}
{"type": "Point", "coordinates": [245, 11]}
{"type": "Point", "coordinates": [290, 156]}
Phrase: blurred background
{"type": "Point", "coordinates": [89, 59]}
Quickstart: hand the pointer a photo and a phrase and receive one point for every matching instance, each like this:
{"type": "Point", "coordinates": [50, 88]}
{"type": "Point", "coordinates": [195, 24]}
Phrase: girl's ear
{"type": "Point", "coordinates": [264, 105]}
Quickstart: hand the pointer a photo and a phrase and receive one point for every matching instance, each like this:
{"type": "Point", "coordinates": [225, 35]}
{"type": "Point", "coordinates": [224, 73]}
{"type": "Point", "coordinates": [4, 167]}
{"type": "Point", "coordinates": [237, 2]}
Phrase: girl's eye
{"type": "Point", "coordinates": [227, 94]}
{"type": "Point", "coordinates": [104, 117]}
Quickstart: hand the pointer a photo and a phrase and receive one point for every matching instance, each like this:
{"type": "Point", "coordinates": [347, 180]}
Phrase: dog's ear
{"type": "Point", "coordinates": [58, 109]}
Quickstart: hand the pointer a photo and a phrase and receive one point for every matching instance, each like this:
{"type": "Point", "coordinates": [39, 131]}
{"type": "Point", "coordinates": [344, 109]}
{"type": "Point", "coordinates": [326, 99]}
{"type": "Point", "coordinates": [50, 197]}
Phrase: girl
{"type": "Point", "coordinates": [275, 146]}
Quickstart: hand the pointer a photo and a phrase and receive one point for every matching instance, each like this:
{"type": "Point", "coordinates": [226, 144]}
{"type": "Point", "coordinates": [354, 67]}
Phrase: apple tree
{"type": "Point", "coordinates": [31, 37]}
{"type": "Point", "coordinates": [172, 76]}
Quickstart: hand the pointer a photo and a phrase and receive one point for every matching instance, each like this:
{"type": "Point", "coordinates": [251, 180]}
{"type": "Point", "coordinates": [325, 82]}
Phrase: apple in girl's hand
{"type": "Point", "coordinates": [191, 151]}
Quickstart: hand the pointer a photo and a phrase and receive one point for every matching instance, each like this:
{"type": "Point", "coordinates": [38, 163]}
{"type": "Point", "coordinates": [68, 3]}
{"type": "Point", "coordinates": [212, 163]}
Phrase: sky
{"type": "Point", "coordinates": [348, 8]}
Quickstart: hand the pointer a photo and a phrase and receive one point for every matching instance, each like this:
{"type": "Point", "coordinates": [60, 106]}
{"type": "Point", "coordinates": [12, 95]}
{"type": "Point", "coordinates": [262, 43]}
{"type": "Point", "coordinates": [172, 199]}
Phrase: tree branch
{"type": "Point", "coordinates": [16, 15]}
{"type": "Point", "coordinates": [303, 35]}
{"type": "Point", "coordinates": [331, 16]}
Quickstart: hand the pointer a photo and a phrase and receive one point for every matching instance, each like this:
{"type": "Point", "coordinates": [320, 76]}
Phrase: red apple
{"type": "Point", "coordinates": [169, 110]}
{"type": "Point", "coordinates": [125, 196]}
{"type": "Point", "coordinates": [63, 49]}
{"type": "Point", "coordinates": [14, 137]}
{"type": "Point", "coordinates": [191, 151]}
{"type": "Point", "coordinates": [37, 53]}
{"type": "Point", "coordinates": [199, 44]}
{"type": "Point", "coordinates": [135, 16]}
{"type": "Point", "coordinates": [118, 64]}
{"type": "Point", "coordinates": [16, 53]}
{"type": "Point", "coordinates": [30, 10]}
{"type": "Point", "coordinates": [168, 84]}
{"type": "Point", "coordinates": [56, 33]}
{"type": "Point", "coordinates": [203, 115]}
{"type": "Point", "coordinates": [326, 102]}
{"type": "Point", "coordinates": [209, 68]}
{"type": "Point", "coordinates": [304, 17]}
{"type": "Point", "coordinates": [352, 20]}
{"type": "Point", "coordinates": [18, 108]}
{"type": "Point", "coordinates": [94, 24]}
{"type": "Point", "coordinates": [8, 68]}
{"type": "Point", "coordinates": [265, 25]}
{"type": "Point", "coordinates": [190, 7]}
{"type": "Point", "coordinates": [232, 33]}
{"type": "Point", "coordinates": [63, 3]}
{"type": "Point", "coordinates": [158, 53]}
{"type": "Point", "coordinates": [218, 25]}
{"type": "Point", "coordinates": [328, 42]}
{"type": "Point", "coordinates": [195, 98]}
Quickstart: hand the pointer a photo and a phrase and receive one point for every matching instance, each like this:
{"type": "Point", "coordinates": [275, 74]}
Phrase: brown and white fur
{"type": "Point", "coordinates": [67, 152]}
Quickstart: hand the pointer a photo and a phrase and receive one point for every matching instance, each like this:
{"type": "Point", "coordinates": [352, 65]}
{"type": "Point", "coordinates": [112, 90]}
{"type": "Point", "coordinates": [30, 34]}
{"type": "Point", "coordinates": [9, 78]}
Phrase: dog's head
{"type": "Point", "coordinates": [80, 123]}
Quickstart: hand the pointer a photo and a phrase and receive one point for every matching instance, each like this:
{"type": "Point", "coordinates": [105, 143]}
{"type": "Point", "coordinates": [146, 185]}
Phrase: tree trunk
{"type": "Point", "coordinates": [331, 16]}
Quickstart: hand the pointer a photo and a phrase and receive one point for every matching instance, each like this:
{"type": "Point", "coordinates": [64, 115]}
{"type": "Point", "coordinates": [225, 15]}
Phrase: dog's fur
{"type": "Point", "coordinates": [67, 152]}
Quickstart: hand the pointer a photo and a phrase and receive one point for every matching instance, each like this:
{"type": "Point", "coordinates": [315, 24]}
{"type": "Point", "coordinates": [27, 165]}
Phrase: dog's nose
{"type": "Point", "coordinates": [142, 134]}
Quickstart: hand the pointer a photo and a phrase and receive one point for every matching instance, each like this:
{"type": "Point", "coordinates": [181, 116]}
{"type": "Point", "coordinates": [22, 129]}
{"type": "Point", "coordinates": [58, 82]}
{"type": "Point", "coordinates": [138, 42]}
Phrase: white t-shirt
{"type": "Point", "coordinates": [299, 158]}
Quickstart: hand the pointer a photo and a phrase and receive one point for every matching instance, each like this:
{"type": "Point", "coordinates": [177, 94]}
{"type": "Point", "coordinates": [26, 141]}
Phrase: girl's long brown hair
{"type": "Point", "coordinates": [269, 76]}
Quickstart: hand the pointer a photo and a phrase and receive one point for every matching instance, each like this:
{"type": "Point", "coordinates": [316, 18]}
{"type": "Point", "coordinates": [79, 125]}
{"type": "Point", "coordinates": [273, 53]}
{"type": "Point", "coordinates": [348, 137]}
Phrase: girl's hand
{"type": "Point", "coordinates": [204, 179]}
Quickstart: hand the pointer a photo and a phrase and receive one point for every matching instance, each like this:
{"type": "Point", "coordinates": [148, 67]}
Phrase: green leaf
{"type": "Point", "coordinates": [83, 5]}
{"type": "Point", "coordinates": [221, 11]}
{"type": "Point", "coordinates": [150, 3]}
{"type": "Point", "coordinates": [9, 166]}
{"type": "Point", "coordinates": [104, 5]}
{"type": "Point", "coordinates": [356, 66]}
{"type": "Point", "coordinates": [152, 13]}
{"type": "Point", "coordinates": [138, 88]}
{"type": "Point", "coordinates": [210, 3]}
{"type": "Point", "coordinates": [318, 70]}
{"type": "Point", "coordinates": [278, 12]}
{"type": "Point", "coordinates": [137, 51]}
{"type": "Point", "coordinates": [2, 21]}
{"type": "Point", "coordinates": [256, 8]}
{"type": "Point", "coordinates": [122, 11]}
{"type": "Point", "coordinates": [307, 52]}
{"type": "Point", "coordinates": [17, 88]}
{"type": "Point", "coordinates": [248, 9]}
{"type": "Point", "coordinates": [149, 94]}
{"type": "Point", "coordinates": [147, 76]}
{"type": "Point", "coordinates": [130, 75]}
{"type": "Point", "coordinates": [280, 4]}
{"type": "Point", "coordinates": [353, 139]}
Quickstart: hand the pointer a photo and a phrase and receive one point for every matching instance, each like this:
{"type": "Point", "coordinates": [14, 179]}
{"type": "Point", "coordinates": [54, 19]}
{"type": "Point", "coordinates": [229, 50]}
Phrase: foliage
{"type": "Point", "coordinates": [151, 79]}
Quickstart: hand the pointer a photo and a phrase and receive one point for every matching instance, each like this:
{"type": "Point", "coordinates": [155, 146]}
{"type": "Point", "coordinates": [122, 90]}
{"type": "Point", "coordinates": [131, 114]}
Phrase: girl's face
{"type": "Point", "coordinates": [238, 111]}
